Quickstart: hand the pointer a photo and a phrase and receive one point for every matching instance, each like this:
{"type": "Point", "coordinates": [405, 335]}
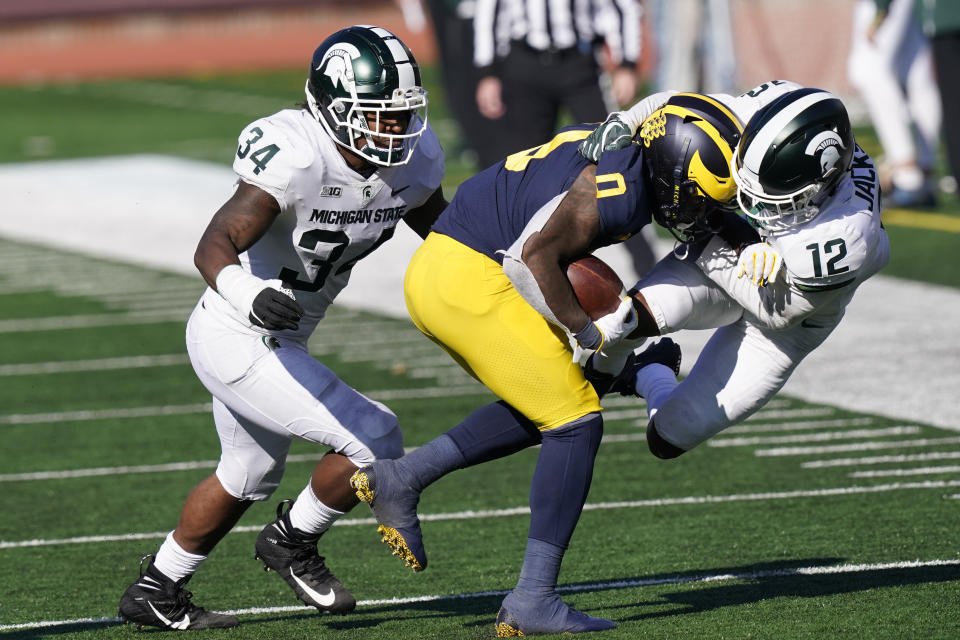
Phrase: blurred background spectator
{"type": "Point", "coordinates": [694, 42]}
{"type": "Point", "coordinates": [891, 66]}
{"type": "Point", "coordinates": [940, 20]}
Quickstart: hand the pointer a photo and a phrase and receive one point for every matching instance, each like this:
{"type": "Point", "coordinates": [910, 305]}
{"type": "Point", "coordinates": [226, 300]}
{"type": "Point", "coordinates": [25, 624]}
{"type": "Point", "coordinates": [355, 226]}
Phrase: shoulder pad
{"type": "Point", "coordinates": [770, 90]}
{"type": "Point", "coordinates": [269, 150]}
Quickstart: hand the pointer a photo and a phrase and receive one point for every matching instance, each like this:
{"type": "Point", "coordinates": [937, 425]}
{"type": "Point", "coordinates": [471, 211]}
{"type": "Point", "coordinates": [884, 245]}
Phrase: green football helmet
{"type": "Point", "coordinates": [688, 143]}
{"type": "Point", "coordinates": [792, 156]}
{"type": "Point", "coordinates": [358, 76]}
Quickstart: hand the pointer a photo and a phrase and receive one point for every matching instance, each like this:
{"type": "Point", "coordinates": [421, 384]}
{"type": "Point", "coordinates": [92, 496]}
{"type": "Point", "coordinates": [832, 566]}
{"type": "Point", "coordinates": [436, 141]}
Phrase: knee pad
{"type": "Point", "coordinates": [660, 447]}
{"type": "Point", "coordinates": [254, 479]}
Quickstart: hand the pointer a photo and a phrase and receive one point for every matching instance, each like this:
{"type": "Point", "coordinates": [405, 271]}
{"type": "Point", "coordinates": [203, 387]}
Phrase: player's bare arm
{"type": "Point", "coordinates": [567, 235]}
{"type": "Point", "coordinates": [423, 217]}
{"type": "Point", "coordinates": [235, 227]}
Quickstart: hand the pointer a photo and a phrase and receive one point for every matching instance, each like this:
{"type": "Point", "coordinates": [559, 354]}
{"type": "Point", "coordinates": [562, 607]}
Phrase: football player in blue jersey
{"type": "Point", "coordinates": [814, 198]}
{"type": "Point", "coordinates": [489, 286]}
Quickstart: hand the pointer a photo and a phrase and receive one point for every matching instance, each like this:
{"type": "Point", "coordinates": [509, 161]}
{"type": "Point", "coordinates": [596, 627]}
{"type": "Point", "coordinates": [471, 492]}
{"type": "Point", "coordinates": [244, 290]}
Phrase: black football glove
{"type": "Point", "coordinates": [275, 310]}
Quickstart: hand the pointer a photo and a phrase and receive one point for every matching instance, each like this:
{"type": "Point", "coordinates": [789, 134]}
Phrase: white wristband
{"type": "Point", "coordinates": [239, 288]}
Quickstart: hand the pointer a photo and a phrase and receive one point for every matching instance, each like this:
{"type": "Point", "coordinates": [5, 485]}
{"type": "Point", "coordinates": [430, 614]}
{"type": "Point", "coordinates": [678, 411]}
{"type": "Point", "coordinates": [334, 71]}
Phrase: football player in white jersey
{"type": "Point", "coordinates": [813, 196]}
{"type": "Point", "coordinates": [319, 188]}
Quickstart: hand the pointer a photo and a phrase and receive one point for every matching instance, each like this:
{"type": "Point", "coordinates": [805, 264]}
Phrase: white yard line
{"type": "Point", "coordinates": [801, 571]}
{"type": "Point", "coordinates": [899, 430]}
{"type": "Point", "coordinates": [803, 412]}
{"type": "Point", "coordinates": [914, 457]}
{"type": "Point", "coordinates": [191, 465]}
{"type": "Point", "coordinates": [798, 426]}
{"type": "Point", "coordinates": [106, 414]}
{"type": "Point", "coordinates": [99, 364]}
{"type": "Point", "coordinates": [204, 407]}
{"type": "Point", "coordinates": [22, 325]}
{"type": "Point", "coordinates": [856, 446]}
{"type": "Point", "coordinates": [481, 514]}
{"type": "Point", "coordinates": [890, 473]}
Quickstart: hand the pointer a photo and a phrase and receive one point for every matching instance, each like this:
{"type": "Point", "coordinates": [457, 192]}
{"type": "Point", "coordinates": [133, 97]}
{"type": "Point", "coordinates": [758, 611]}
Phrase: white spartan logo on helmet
{"type": "Point", "coordinates": [338, 66]}
{"type": "Point", "coordinates": [827, 145]}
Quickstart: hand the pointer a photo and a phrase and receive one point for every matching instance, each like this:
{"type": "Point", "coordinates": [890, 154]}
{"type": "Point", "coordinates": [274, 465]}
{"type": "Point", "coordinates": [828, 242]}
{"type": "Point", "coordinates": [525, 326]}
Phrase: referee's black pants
{"type": "Point", "coordinates": [536, 85]}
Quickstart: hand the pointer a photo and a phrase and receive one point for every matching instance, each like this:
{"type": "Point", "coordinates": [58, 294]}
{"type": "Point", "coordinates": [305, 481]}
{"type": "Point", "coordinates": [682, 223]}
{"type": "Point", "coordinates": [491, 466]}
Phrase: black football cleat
{"type": "Point", "coordinates": [665, 351]}
{"type": "Point", "coordinates": [293, 554]}
{"type": "Point", "coordinates": [157, 601]}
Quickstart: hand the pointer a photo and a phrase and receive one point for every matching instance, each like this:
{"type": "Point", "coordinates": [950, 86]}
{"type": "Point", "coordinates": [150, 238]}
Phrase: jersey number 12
{"type": "Point", "coordinates": [830, 246]}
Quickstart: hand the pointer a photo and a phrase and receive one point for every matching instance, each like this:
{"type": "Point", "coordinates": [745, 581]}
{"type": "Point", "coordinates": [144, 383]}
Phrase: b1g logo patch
{"type": "Point", "coordinates": [330, 191]}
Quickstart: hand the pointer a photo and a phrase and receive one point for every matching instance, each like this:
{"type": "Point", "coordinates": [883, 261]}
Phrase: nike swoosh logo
{"type": "Point", "coordinates": [324, 600]}
{"type": "Point", "coordinates": [394, 192]}
{"type": "Point", "coordinates": [183, 623]}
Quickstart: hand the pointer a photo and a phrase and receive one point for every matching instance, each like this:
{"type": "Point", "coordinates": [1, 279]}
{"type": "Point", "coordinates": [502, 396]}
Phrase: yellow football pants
{"type": "Point", "coordinates": [462, 300]}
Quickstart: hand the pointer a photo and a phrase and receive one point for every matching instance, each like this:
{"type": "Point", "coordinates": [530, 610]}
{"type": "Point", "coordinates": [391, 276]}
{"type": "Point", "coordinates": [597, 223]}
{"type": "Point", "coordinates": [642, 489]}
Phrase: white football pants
{"type": "Point", "coordinates": [268, 391]}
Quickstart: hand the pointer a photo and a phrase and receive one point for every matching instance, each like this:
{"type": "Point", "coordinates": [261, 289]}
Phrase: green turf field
{"type": "Point", "coordinates": [805, 522]}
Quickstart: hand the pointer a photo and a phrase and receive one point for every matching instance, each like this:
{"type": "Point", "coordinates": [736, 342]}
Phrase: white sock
{"type": "Point", "coordinates": [655, 382]}
{"type": "Point", "coordinates": [175, 563]}
{"type": "Point", "coordinates": [310, 515]}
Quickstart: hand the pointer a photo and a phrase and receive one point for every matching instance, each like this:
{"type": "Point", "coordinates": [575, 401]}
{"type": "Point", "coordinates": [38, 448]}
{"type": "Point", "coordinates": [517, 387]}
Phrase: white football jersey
{"type": "Point", "coordinates": [838, 249]}
{"type": "Point", "coordinates": [824, 259]}
{"type": "Point", "coordinates": [331, 216]}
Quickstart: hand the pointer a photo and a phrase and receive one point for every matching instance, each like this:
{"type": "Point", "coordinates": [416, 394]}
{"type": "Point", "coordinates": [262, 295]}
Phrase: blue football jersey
{"type": "Point", "coordinates": [491, 210]}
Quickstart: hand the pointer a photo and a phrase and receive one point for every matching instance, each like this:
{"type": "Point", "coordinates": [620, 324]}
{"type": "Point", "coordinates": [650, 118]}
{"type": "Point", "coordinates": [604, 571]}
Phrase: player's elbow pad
{"type": "Point", "coordinates": [660, 447]}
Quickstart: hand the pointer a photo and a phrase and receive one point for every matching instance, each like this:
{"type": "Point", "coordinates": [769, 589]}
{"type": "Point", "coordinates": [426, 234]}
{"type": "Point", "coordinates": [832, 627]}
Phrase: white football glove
{"type": "Point", "coordinates": [761, 263]}
{"type": "Point", "coordinates": [611, 135]}
{"type": "Point", "coordinates": [612, 327]}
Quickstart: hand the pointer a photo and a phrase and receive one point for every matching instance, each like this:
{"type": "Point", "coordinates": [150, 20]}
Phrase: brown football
{"type": "Point", "coordinates": [597, 286]}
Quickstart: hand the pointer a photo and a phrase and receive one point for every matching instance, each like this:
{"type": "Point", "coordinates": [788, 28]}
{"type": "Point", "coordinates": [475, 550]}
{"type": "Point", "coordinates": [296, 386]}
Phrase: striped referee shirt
{"type": "Point", "coordinates": [556, 25]}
